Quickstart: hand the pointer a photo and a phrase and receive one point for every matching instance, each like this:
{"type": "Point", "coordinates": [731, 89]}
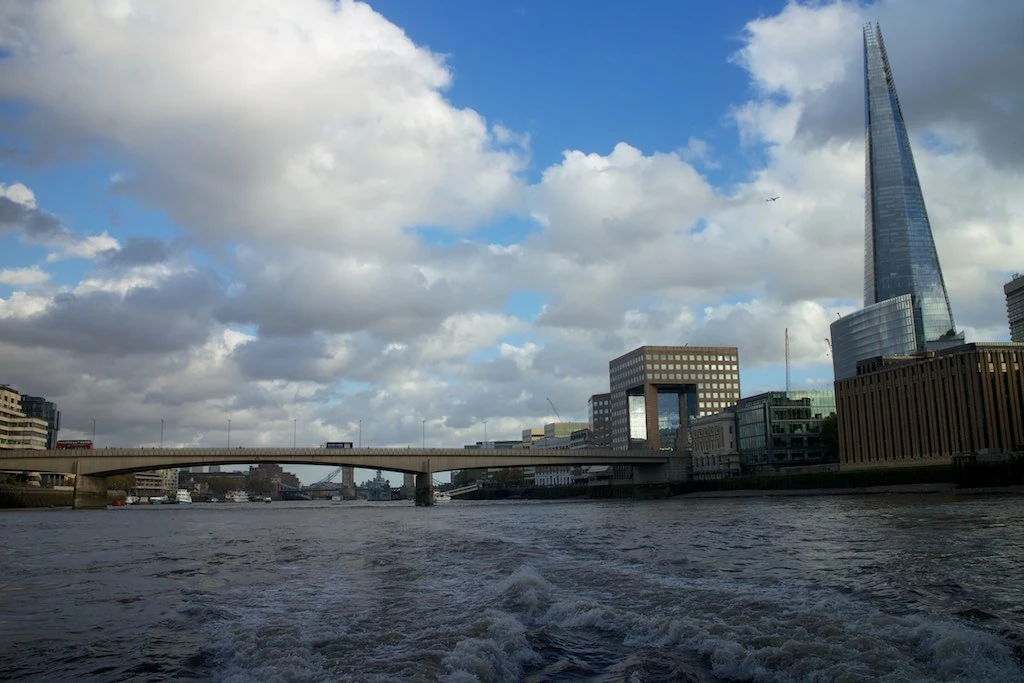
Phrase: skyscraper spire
{"type": "Point", "coordinates": [906, 306]}
{"type": "Point", "coordinates": [899, 251]}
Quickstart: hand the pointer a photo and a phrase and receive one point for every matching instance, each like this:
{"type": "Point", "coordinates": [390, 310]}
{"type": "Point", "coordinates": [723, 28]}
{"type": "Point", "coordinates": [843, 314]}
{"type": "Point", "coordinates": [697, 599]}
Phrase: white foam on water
{"type": "Point", "coordinates": [500, 651]}
{"type": "Point", "coordinates": [794, 632]}
{"type": "Point", "coordinates": [743, 630]}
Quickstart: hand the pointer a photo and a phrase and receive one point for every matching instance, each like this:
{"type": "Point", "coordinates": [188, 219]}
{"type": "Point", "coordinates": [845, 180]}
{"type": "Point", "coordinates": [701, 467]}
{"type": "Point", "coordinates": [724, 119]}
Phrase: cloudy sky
{"type": "Point", "coordinates": [421, 217]}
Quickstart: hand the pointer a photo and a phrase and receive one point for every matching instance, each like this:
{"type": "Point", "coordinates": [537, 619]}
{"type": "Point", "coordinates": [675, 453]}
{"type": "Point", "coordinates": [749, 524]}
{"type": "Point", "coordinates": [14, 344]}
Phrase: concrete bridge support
{"type": "Point", "coordinates": [90, 493]}
{"type": "Point", "coordinates": [652, 481]}
{"type": "Point", "coordinates": [425, 486]}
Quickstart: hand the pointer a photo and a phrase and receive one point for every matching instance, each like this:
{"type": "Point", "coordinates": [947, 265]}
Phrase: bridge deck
{"type": "Point", "coordinates": [109, 461]}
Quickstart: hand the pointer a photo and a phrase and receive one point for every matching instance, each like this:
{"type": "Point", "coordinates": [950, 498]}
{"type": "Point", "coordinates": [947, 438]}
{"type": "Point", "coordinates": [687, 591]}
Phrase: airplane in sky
{"type": "Point", "coordinates": [772, 199]}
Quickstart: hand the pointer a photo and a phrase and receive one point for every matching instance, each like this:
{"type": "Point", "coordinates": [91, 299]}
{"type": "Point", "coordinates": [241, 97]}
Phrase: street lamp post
{"type": "Point", "coordinates": [424, 434]}
{"type": "Point", "coordinates": [229, 432]}
{"type": "Point", "coordinates": [161, 432]}
{"type": "Point", "coordinates": [485, 433]}
{"type": "Point", "coordinates": [295, 431]}
{"type": "Point", "coordinates": [360, 433]}
{"type": "Point", "coordinates": [94, 432]}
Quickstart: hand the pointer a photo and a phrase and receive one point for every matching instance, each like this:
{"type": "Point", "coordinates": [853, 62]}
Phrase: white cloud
{"type": "Point", "coordinates": [33, 275]}
{"type": "Point", "coordinates": [22, 305]}
{"type": "Point", "coordinates": [309, 122]}
{"type": "Point", "coordinates": [17, 192]}
{"type": "Point", "coordinates": [801, 49]}
{"type": "Point", "coordinates": [88, 247]}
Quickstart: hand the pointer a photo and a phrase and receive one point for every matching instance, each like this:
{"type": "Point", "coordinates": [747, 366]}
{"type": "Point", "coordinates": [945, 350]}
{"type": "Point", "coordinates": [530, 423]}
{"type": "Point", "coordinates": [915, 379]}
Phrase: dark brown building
{"type": "Point", "coordinates": [923, 409]}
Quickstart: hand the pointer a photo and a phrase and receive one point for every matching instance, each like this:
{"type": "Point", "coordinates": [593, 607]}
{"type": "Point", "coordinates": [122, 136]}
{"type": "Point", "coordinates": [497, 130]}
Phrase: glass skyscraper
{"type": "Point", "coordinates": [899, 252]}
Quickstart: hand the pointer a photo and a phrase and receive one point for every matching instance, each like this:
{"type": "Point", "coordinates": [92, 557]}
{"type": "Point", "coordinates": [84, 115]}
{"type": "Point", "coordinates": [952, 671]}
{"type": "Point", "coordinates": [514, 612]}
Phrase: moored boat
{"type": "Point", "coordinates": [183, 496]}
{"type": "Point", "coordinates": [236, 497]}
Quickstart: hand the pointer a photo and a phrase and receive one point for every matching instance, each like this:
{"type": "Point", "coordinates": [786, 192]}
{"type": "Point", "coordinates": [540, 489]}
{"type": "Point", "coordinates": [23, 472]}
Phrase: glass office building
{"type": "Point", "coordinates": [781, 429]}
{"type": "Point", "coordinates": [884, 329]}
{"type": "Point", "coordinates": [899, 251]}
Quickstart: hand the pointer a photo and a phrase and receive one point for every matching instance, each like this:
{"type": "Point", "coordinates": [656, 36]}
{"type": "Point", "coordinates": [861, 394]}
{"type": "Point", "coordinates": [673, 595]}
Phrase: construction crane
{"type": "Point", "coordinates": [555, 409]}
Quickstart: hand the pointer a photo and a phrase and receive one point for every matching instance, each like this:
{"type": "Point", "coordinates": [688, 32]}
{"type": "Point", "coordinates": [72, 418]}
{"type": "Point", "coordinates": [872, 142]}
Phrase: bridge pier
{"type": "Point", "coordinates": [425, 486]}
{"type": "Point", "coordinates": [90, 493]}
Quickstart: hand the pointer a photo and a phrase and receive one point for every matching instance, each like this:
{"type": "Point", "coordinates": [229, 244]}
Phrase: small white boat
{"type": "Point", "coordinates": [157, 500]}
{"type": "Point", "coordinates": [266, 499]}
{"type": "Point", "coordinates": [130, 499]}
{"type": "Point", "coordinates": [236, 497]}
{"type": "Point", "coordinates": [183, 496]}
{"type": "Point", "coordinates": [441, 498]}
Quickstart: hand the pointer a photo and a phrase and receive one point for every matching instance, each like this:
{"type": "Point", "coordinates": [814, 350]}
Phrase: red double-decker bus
{"type": "Point", "coordinates": [75, 443]}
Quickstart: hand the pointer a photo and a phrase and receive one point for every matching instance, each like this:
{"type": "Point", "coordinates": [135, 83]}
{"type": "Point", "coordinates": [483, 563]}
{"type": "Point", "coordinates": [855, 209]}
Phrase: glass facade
{"type": "Point", "coordinates": [778, 430]}
{"type": "Point", "coordinates": [637, 421]}
{"type": "Point", "coordinates": [884, 329]}
{"type": "Point", "coordinates": [899, 255]}
{"type": "Point", "coordinates": [822, 402]}
{"type": "Point", "coordinates": [900, 259]}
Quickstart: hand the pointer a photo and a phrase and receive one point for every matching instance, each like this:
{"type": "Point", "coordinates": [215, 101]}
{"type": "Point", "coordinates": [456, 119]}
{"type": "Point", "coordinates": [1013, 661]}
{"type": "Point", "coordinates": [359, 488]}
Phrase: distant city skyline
{"type": "Point", "coordinates": [316, 221]}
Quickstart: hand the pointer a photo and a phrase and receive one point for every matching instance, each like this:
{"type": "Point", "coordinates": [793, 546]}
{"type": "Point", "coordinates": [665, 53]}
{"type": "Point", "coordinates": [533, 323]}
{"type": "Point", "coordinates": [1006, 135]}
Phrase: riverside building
{"type": "Point", "coordinates": [923, 409]}
{"type": "Point", "coordinates": [906, 306]}
{"type": "Point", "coordinates": [657, 390]}
{"type": "Point", "coordinates": [713, 451]}
{"type": "Point", "coordinates": [1014, 290]}
{"type": "Point", "coordinates": [779, 430]}
{"type": "Point", "coordinates": [17, 429]}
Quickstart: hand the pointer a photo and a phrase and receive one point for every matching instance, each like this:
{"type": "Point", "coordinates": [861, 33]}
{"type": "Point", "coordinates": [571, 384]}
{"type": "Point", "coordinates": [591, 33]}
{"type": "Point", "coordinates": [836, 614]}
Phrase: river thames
{"type": "Point", "coordinates": [851, 588]}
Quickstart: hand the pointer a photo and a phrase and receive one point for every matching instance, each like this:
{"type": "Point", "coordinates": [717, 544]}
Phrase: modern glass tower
{"type": "Point", "coordinates": [899, 252]}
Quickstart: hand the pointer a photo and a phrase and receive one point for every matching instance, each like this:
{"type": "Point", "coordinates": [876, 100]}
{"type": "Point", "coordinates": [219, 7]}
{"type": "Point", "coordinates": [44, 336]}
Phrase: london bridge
{"type": "Point", "coordinates": [91, 467]}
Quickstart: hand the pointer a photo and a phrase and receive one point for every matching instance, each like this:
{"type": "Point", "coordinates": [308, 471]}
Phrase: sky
{"type": "Point", "coordinates": [403, 223]}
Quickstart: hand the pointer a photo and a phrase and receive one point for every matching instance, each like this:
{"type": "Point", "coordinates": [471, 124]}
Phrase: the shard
{"type": "Point", "coordinates": [906, 307]}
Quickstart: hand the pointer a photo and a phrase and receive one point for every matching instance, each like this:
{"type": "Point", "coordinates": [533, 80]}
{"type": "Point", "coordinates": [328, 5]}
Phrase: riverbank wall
{"type": "Point", "coordinates": [968, 475]}
{"type": "Point", "coordinates": [13, 497]}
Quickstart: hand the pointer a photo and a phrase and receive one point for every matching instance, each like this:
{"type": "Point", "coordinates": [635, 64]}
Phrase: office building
{"type": "Point", "coordinates": [599, 412]}
{"type": "Point", "coordinates": [18, 430]}
{"type": "Point", "coordinates": [39, 407]}
{"type": "Point", "coordinates": [1014, 290]}
{"type": "Point", "coordinates": [779, 430]}
{"type": "Point", "coordinates": [906, 306]}
{"type": "Point", "coordinates": [926, 408]}
{"type": "Point", "coordinates": [713, 448]}
{"type": "Point", "coordinates": [656, 390]}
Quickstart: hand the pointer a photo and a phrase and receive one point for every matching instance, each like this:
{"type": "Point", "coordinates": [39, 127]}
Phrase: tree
{"type": "Point", "coordinates": [509, 476]}
{"type": "Point", "coordinates": [121, 482]}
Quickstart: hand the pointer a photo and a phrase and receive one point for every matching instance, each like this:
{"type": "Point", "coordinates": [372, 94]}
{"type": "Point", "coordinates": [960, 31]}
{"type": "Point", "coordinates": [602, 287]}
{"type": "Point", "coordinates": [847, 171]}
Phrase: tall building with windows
{"type": "Point", "coordinates": [906, 306]}
{"type": "Point", "coordinates": [18, 430]}
{"type": "Point", "coordinates": [656, 390]}
{"type": "Point", "coordinates": [39, 407]}
{"type": "Point", "coordinates": [1014, 290]}
{"type": "Point", "coordinates": [599, 410]}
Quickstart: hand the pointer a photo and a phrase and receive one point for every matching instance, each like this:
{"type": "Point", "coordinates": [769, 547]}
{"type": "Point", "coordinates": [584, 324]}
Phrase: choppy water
{"type": "Point", "coordinates": [854, 588]}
